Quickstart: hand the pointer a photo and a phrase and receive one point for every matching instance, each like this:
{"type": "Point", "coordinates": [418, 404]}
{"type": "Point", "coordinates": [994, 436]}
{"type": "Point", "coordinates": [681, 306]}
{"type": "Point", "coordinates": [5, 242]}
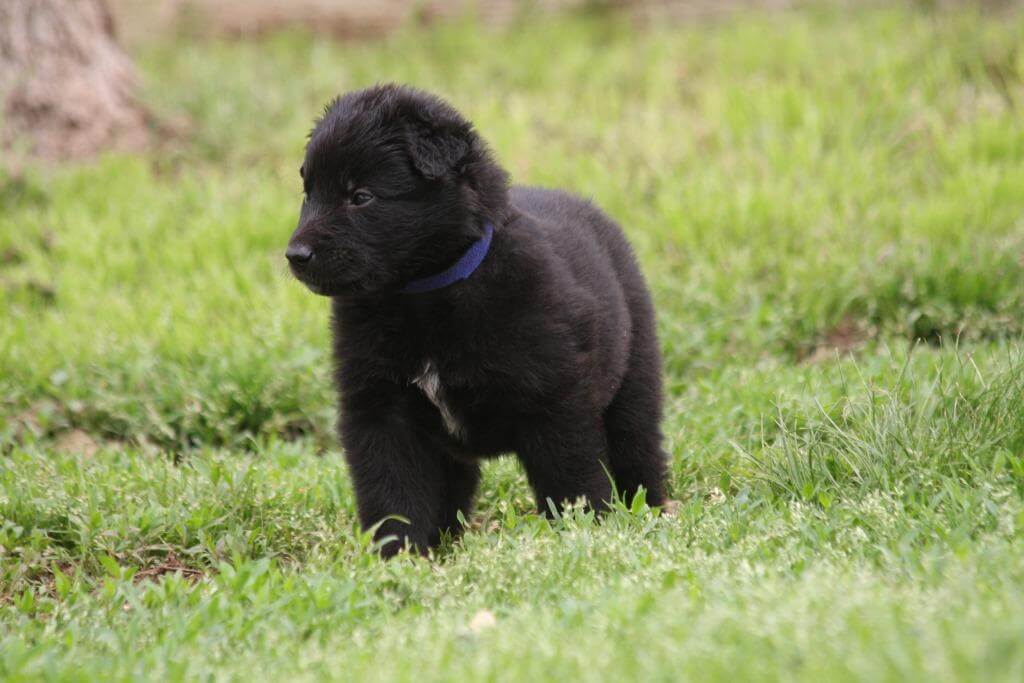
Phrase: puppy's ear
{"type": "Point", "coordinates": [437, 148]}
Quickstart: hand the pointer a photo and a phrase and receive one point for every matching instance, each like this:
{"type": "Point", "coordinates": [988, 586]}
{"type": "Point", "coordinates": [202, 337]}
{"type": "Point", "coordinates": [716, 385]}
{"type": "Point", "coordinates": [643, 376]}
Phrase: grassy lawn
{"type": "Point", "coordinates": [830, 209]}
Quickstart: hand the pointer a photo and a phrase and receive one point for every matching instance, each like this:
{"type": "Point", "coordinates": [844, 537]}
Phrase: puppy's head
{"type": "Point", "coordinates": [397, 186]}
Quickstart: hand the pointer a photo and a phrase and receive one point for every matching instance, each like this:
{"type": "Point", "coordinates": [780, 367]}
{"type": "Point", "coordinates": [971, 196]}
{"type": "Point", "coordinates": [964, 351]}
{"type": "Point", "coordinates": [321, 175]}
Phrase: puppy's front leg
{"type": "Point", "coordinates": [397, 468]}
{"type": "Point", "coordinates": [565, 458]}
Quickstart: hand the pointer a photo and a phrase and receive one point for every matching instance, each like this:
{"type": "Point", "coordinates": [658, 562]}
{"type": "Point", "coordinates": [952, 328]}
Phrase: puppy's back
{"type": "Point", "coordinates": [572, 224]}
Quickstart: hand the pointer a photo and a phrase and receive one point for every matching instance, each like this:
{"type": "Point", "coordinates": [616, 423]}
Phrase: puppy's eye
{"type": "Point", "coordinates": [360, 197]}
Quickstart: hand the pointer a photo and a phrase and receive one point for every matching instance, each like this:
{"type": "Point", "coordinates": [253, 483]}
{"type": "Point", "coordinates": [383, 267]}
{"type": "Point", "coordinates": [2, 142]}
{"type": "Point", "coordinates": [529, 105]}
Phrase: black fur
{"type": "Point", "coordinates": [548, 350]}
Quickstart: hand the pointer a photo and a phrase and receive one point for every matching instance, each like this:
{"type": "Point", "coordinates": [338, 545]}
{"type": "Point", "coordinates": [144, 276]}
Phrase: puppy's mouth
{"type": "Point", "coordinates": [317, 289]}
{"type": "Point", "coordinates": [328, 287]}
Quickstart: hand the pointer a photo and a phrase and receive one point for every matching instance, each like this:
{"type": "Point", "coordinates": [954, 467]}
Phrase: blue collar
{"type": "Point", "coordinates": [459, 271]}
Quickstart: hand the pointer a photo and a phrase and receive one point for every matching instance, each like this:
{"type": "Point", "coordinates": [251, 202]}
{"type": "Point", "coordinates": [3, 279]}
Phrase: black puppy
{"type": "Point", "coordinates": [471, 321]}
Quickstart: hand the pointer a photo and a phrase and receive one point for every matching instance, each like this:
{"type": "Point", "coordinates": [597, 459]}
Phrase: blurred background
{"type": "Point", "coordinates": [73, 90]}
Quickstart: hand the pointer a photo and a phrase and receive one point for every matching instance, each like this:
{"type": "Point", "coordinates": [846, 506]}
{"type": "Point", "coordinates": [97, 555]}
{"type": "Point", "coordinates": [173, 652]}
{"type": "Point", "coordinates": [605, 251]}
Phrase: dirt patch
{"type": "Point", "coordinates": [172, 564]}
{"type": "Point", "coordinates": [76, 442]}
{"type": "Point", "coordinates": [355, 19]}
{"type": "Point", "coordinates": [31, 290]}
{"type": "Point", "coordinates": [351, 19]}
{"type": "Point", "coordinates": [32, 422]}
{"type": "Point", "coordinates": [11, 256]}
{"type": "Point", "coordinates": [46, 580]}
{"type": "Point", "coordinates": [845, 338]}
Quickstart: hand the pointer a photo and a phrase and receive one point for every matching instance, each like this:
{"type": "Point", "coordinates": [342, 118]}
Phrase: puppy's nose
{"type": "Point", "coordinates": [298, 254]}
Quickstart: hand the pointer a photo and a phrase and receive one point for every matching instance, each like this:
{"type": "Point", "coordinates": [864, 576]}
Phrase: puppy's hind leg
{"type": "Point", "coordinates": [632, 424]}
{"type": "Point", "coordinates": [565, 459]}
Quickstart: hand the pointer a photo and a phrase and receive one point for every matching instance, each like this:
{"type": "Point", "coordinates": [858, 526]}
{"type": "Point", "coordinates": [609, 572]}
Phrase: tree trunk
{"type": "Point", "coordinates": [67, 91]}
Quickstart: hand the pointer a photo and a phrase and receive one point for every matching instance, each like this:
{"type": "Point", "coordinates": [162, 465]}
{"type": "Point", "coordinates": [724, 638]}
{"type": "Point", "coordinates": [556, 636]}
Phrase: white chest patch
{"type": "Point", "coordinates": [429, 383]}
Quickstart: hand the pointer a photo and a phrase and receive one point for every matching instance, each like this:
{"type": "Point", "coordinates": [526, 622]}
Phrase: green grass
{"type": "Point", "coordinates": [172, 500]}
